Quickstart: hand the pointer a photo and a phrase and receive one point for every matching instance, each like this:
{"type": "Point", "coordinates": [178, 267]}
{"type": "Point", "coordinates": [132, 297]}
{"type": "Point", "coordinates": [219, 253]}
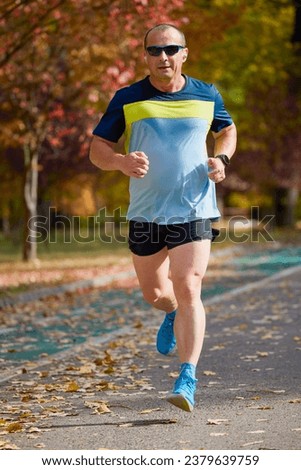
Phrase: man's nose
{"type": "Point", "coordinates": [163, 55]}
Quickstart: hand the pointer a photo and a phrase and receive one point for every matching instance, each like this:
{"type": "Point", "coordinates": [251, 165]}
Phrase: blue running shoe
{"type": "Point", "coordinates": [166, 340]}
{"type": "Point", "coordinates": [182, 395]}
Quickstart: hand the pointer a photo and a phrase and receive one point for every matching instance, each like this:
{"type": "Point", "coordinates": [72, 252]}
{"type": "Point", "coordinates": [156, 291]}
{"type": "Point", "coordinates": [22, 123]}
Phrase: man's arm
{"type": "Point", "coordinates": [225, 141]}
{"type": "Point", "coordinates": [225, 144]}
{"type": "Point", "coordinates": [103, 156]}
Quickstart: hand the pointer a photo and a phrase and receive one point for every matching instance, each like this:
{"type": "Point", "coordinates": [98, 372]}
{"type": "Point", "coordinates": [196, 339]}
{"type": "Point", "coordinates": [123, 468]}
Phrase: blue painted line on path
{"type": "Point", "coordinates": [102, 312]}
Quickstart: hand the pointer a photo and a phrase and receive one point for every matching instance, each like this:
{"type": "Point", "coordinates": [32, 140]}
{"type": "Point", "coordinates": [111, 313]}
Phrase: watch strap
{"type": "Point", "coordinates": [224, 158]}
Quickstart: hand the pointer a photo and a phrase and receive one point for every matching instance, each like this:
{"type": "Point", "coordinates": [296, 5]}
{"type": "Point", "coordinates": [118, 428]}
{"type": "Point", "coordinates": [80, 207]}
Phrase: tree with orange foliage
{"type": "Point", "coordinates": [54, 56]}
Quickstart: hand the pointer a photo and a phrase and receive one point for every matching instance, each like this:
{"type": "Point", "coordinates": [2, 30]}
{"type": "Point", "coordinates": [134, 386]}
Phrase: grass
{"type": "Point", "coordinates": [63, 247]}
{"type": "Point", "coordinates": [58, 260]}
{"type": "Point", "coordinates": [62, 250]}
{"type": "Point", "coordinates": [65, 254]}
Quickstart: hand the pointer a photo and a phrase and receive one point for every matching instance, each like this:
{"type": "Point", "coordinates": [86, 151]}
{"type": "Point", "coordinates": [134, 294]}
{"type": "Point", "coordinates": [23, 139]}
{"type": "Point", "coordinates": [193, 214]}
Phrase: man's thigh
{"type": "Point", "coordinates": [153, 270]}
{"type": "Point", "coordinates": [189, 261]}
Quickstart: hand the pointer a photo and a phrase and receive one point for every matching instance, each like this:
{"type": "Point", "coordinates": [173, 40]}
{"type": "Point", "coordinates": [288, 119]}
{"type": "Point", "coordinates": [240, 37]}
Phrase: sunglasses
{"type": "Point", "coordinates": [156, 51]}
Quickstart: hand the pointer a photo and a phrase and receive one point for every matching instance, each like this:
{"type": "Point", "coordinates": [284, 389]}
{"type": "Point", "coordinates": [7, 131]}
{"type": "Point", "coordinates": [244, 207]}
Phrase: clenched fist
{"type": "Point", "coordinates": [135, 164]}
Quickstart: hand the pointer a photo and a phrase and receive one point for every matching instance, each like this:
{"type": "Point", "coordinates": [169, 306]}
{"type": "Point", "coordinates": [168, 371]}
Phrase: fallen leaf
{"type": "Point", "coordinates": [33, 430]}
{"type": "Point", "coordinates": [216, 421]}
{"type": "Point", "coordinates": [109, 370]}
{"type": "Point", "coordinates": [173, 375]}
{"type": "Point", "coordinates": [209, 372]}
{"type": "Point", "coordinates": [107, 386]}
{"type": "Point", "coordinates": [44, 373]}
{"type": "Point", "coordinates": [99, 407]}
{"type": "Point", "coordinates": [86, 370]}
{"type": "Point", "coordinates": [6, 445]}
{"type": "Point", "coordinates": [147, 387]}
{"type": "Point", "coordinates": [52, 387]}
{"type": "Point", "coordinates": [102, 409]}
{"type": "Point", "coordinates": [217, 347]}
{"type": "Point", "coordinates": [72, 387]}
{"type": "Point", "coordinates": [14, 427]}
{"type": "Point", "coordinates": [26, 398]}
{"type": "Point", "coordinates": [98, 361]}
{"type": "Point", "coordinates": [251, 443]}
{"type": "Point", "coordinates": [144, 412]}
{"type": "Point", "coordinates": [262, 354]}
{"type": "Point", "coordinates": [249, 358]}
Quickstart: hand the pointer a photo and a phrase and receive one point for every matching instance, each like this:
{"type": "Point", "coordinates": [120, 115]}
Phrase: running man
{"type": "Point", "coordinates": [165, 118]}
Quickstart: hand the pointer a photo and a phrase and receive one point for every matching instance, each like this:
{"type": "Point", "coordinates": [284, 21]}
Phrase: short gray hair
{"type": "Point", "coordinates": [164, 27]}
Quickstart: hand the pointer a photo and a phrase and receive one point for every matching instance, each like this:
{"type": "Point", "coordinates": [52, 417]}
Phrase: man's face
{"type": "Point", "coordinates": [165, 68]}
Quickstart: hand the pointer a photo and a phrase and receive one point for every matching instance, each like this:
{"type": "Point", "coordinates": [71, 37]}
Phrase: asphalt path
{"type": "Point", "coordinates": [108, 391]}
{"type": "Point", "coordinates": [49, 320]}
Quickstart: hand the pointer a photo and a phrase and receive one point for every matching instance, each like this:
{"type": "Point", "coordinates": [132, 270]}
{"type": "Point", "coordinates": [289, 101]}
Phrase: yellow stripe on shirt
{"type": "Point", "coordinates": [182, 109]}
{"type": "Point", "coordinates": [171, 110]}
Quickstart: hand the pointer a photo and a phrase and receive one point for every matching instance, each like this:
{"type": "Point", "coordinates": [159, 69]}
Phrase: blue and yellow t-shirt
{"type": "Point", "coordinates": [171, 129]}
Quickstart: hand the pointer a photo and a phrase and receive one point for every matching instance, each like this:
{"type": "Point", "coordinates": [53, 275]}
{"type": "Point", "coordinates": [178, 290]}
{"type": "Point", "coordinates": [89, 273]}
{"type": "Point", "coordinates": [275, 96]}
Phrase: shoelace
{"type": "Point", "coordinates": [187, 382]}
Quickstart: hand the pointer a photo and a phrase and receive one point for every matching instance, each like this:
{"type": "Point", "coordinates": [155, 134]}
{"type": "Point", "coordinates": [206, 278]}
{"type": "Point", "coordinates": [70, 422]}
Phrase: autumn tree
{"type": "Point", "coordinates": [62, 60]}
{"type": "Point", "coordinates": [257, 67]}
{"type": "Point", "coordinates": [55, 55]}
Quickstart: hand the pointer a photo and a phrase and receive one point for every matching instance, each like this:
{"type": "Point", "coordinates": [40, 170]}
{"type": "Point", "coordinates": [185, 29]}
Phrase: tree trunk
{"type": "Point", "coordinates": [30, 204]}
{"type": "Point", "coordinates": [286, 198]}
{"type": "Point", "coordinates": [285, 206]}
{"type": "Point", "coordinates": [5, 221]}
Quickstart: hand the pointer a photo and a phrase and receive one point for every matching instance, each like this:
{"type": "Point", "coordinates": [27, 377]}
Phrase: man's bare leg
{"type": "Point", "coordinates": [154, 280]}
{"type": "Point", "coordinates": [157, 288]}
{"type": "Point", "coordinates": [188, 264]}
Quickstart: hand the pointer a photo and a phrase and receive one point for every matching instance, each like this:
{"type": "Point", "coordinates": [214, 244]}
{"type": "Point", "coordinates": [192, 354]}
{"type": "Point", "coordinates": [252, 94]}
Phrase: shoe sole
{"type": "Point", "coordinates": [166, 353]}
{"type": "Point", "coordinates": [180, 401]}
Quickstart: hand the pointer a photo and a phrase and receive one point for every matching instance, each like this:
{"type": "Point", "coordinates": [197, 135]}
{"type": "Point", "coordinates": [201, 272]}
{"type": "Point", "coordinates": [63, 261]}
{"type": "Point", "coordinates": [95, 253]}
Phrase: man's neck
{"type": "Point", "coordinates": [169, 87]}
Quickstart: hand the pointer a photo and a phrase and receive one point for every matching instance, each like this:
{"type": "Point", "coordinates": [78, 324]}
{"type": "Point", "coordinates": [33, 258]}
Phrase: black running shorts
{"type": "Point", "coordinates": [148, 238]}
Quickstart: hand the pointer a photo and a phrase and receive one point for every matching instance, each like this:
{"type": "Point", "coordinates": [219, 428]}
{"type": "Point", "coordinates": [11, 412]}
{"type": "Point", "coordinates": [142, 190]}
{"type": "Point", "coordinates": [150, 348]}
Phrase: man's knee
{"type": "Point", "coordinates": [155, 296]}
{"type": "Point", "coordinates": [187, 288]}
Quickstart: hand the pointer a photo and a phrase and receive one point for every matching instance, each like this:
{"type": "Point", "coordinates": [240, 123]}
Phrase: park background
{"type": "Point", "coordinates": [61, 62]}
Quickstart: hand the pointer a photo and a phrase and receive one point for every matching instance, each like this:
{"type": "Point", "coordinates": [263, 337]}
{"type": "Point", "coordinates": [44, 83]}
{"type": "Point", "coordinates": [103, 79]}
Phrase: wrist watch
{"type": "Point", "coordinates": [224, 158]}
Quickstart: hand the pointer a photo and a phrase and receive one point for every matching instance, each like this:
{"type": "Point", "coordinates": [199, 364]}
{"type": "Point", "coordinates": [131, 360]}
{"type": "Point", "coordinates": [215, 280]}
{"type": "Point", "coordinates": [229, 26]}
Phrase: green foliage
{"type": "Point", "coordinates": [250, 199]}
{"type": "Point", "coordinates": [256, 68]}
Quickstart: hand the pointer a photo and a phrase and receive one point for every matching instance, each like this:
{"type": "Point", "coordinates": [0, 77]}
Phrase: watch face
{"type": "Point", "coordinates": [224, 158]}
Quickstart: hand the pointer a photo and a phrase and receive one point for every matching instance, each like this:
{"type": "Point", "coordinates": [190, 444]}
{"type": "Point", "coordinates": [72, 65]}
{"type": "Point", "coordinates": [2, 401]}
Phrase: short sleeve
{"type": "Point", "coordinates": [221, 117]}
{"type": "Point", "coordinates": [112, 124]}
